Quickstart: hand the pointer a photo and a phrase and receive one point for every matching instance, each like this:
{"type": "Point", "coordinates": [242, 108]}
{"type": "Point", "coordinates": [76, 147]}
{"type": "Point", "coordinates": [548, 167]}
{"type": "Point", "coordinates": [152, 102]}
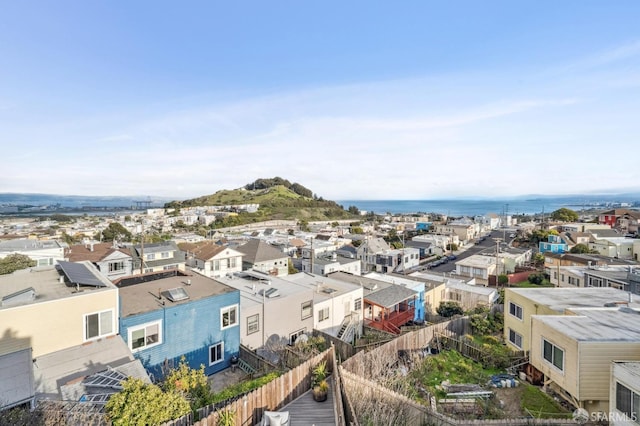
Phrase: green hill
{"type": "Point", "coordinates": [278, 199]}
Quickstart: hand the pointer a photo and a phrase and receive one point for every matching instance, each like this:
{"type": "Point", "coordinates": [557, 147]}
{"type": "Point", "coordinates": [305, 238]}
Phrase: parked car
{"type": "Point", "coordinates": [453, 257]}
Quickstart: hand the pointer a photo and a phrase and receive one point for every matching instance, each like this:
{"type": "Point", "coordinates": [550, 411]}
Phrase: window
{"type": "Point", "coordinates": [164, 255]}
{"type": "Point", "coordinates": [231, 262]}
{"type": "Point", "coordinates": [216, 265]}
{"type": "Point", "coordinates": [627, 401]}
{"type": "Point", "coordinates": [323, 314]}
{"type": "Point", "coordinates": [151, 256]}
{"type": "Point", "coordinates": [515, 310]}
{"type": "Point", "coordinates": [145, 336]}
{"type": "Point", "coordinates": [357, 305]}
{"type": "Point", "coordinates": [216, 353]}
{"type": "Point", "coordinates": [229, 316]}
{"type": "Point", "coordinates": [515, 338]}
{"type": "Point", "coordinates": [294, 336]}
{"type": "Point", "coordinates": [307, 309]}
{"type": "Point", "coordinates": [253, 324]}
{"type": "Point", "coordinates": [116, 266]}
{"type": "Point", "coordinates": [98, 324]}
{"type": "Point", "coordinates": [553, 354]}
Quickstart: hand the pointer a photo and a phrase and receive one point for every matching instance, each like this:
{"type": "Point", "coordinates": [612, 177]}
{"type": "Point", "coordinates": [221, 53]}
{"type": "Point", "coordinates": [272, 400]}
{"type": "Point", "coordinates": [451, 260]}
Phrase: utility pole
{"type": "Point", "coordinates": [497, 240]}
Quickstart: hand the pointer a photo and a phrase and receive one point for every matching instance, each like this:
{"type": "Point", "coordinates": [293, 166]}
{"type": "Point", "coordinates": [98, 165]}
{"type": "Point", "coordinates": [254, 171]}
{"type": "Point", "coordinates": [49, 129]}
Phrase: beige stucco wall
{"type": "Point", "coordinates": [595, 366]}
{"type": "Point", "coordinates": [54, 325]}
{"type": "Point", "coordinates": [522, 327]}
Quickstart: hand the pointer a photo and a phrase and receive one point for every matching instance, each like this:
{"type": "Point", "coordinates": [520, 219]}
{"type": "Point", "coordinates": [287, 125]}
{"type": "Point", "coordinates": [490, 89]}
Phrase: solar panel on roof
{"type": "Point", "coordinates": [77, 273]}
{"type": "Point", "coordinates": [177, 294]}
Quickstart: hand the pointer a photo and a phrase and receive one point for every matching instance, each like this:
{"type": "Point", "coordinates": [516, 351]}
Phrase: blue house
{"type": "Point", "coordinates": [554, 244]}
{"type": "Point", "coordinates": [423, 226]}
{"type": "Point", "coordinates": [164, 316]}
{"type": "Point", "coordinates": [411, 283]}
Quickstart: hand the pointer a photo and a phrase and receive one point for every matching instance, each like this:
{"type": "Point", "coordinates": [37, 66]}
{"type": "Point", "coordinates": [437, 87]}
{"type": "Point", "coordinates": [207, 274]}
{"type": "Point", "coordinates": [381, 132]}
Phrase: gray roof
{"type": "Point", "coordinates": [369, 285]}
{"type": "Point", "coordinates": [390, 296]}
{"type": "Point", "coordinates": [157, 247]}
{"type": "Point", "coordinates": [67, 366]}
{"type": "Point", "coordinates": [256, 250]}
{"type": "Point", "coordinates": [28, 245]}
{"type": "Point", "coordinates": [45, 281]}
{"type": "Point", "coordinates": [143, 297]}
{"type": "Point", "coordinates": [561, 298]}
{"type": "Point", "coordinates": [597, 324]}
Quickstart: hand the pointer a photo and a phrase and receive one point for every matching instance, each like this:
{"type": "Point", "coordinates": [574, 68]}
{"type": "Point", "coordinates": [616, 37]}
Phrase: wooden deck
{"type": "Point", "coordinates": [304, 411]}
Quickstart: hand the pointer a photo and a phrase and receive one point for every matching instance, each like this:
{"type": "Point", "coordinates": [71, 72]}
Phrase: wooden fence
{"type": "Point", "coordinates": [259, 364]}
{"type": "Point", "coordinates": [343, 349]}
{"type": "Point", "coordinates": [372, 402]}
{"type": "Point", "coordinates": [250, 407]}
{"type": "Point", "coordinates": [375, 362]}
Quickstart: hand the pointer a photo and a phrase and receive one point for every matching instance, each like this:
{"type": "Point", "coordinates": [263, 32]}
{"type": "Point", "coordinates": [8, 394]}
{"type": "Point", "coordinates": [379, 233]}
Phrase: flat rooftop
{"type": "Point", "coordinates": [562, 298]}
{"type": "Point", "coordinates": [252, 284]}
{"type": "Point", "coordinates": [325, 287]}
{"type": "Point", "coordinates": [150, 295]}
{"type": "Point", "coordinates": [597, 324]}
{"type": "Point", "coordinates": [46, 284]}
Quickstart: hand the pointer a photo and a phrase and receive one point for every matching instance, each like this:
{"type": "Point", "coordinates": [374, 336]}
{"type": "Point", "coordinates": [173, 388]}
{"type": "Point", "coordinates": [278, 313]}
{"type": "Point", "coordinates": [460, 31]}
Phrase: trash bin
{"type": "Point", "coordinates": [234, 362]}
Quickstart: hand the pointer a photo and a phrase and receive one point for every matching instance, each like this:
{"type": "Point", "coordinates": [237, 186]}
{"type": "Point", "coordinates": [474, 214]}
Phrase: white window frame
{"type": "Point", "coordinates": [226, 310]}
{"type": "Point", "coordinates": [100, 331]}
{"type": "Point", "coordinates": [554, 348]}
{"type": "Point", "coordinates": [323, 314]}
{"type": "Point", "coordinates": [218, 361]}
{"type": "Point", "coordinates": [357, 304]}
{"type": "Point", "coordinates": [151, 256]}
{"type": "Point", "coordinates": [516, 311]}
{"type": "Point", "coordinates": [310, 309]}
{"type": "Point", "coordinates": [117, 266]}
{"type": "Point", "coordinates": [515, 338]}
{"type": "Point", "coordinates": [256, 324]}
{"type": "Point", "coordinates": [144, 327]}
{"type": "Point", "coordinates": [294, 336]}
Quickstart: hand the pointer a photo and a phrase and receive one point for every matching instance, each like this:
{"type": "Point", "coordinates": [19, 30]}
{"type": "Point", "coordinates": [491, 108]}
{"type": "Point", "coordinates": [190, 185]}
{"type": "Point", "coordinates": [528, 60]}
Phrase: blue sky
{"type": "Point", "coordinates": [355, 100]}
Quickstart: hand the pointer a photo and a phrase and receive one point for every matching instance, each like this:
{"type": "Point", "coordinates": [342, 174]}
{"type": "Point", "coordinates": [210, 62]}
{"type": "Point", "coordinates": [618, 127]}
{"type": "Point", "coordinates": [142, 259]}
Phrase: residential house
{"type": "Point", "coordinates": [554, 244]}
{"type": "Point", "coordinates": [42, 252]}
{"type": "Point", "coordinates": [465, 231]}
{"type": "Point", "coordinates": [624, 393]}
{"type": "Point", "coordinates": [397, 260]}
{"type": "Point", "coordinates": [480, 267]}
{"type": "Point", "coordinates": [167, 315]}
{"type": "Point", "coordinates": [459, 290]}
{"type": "Point", "coordinates": [439, 242]}
{"type": "Point", "coordinates": [386, 306]}
{"type": "Point", "coordinates": [628, 223]}
{"type": "Point", "coordinates": [610, 217]}
{"type": "Point", "coordinates": [47, 310]}
{"type": "Point", "coordinates": [412, 283]}
{"type": "Point", "coordinates": [617, 247]}
{"type": "Point", "coordinates": [337, 305]}
{"type": "Point", "coordinates": [583, 227]}
{"type": "Point", "coordinates": [574, 352]}
{"type": "Point", "coordinates": [326, 264]}
{"type": "Point", "coordinates": [113, 260]}
{"type": "Point", "coordinates": [424, 247]}
{"type": "Point", "coordinates": [520, 304]}
{"type": "Point", "coordinates": [212, 260]}
{"type": "Point", "coordinates": [273, 310]}
{"type": "Point", "coordinates": [157, 257]}
{"type": "Point", "coordinates": [260, 256]}
{"type": "Point", "coordinates": [368, 250]}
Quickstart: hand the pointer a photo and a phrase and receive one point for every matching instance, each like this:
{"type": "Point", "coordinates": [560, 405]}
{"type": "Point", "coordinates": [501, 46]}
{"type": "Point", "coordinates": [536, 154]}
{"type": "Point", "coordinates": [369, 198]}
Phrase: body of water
{"type": "Point", "coordinates": [474, 207]}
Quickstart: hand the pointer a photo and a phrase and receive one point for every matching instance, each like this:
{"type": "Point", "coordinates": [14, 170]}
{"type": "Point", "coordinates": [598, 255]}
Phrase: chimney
{"type": "Point", "coordinates": [91, 245]}
{"type": "Point", "coordinates": [189, 282]}
{"type": "Point", "coordinates": [61, 279]}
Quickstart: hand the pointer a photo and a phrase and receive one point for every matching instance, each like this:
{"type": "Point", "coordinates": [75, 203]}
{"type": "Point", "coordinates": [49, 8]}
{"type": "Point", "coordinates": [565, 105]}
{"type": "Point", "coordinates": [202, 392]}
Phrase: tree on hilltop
{"type": "Point", "coordinates": [565, 215]}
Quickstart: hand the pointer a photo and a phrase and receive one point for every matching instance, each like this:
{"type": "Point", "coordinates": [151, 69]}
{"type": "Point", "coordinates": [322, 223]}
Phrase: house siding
{"type": "Point", "coordinates": [568, 378]}
{"type": "Point", "coordinates": [188, 329]}
{"type": "Point", "coordinates": [522, 327]}
{"type": "Point", "coordinates": [595, 366]}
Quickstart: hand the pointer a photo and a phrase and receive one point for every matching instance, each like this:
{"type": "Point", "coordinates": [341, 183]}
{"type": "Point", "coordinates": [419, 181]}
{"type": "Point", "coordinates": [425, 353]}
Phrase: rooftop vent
{"type": "Point", "coordinates": [329, 290]}
{"type": "Point", "coordinates": [272, 292]}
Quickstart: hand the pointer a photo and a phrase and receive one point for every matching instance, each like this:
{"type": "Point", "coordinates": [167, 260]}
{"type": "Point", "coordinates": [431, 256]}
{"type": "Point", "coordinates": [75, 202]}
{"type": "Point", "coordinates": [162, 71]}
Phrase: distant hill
{"type": "Point", "coordinates": [278, 199]}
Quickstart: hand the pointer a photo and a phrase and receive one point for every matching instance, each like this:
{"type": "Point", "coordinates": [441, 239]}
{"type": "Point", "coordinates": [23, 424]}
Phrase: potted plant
{"type": "Point", "coordinates": [319, 385]}
{"type": "Point", "coordinates": [320, 391]}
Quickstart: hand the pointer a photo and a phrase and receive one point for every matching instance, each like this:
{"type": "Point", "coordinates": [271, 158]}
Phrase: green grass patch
{"type": "Point", "coordinates": [244, 387]}
{"type": "Point", "coordinates": [452, 366]}
{"type": "Point", "coordinates": [541, 405]}
{"type": "Point", "coordinates": [527, 284]}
